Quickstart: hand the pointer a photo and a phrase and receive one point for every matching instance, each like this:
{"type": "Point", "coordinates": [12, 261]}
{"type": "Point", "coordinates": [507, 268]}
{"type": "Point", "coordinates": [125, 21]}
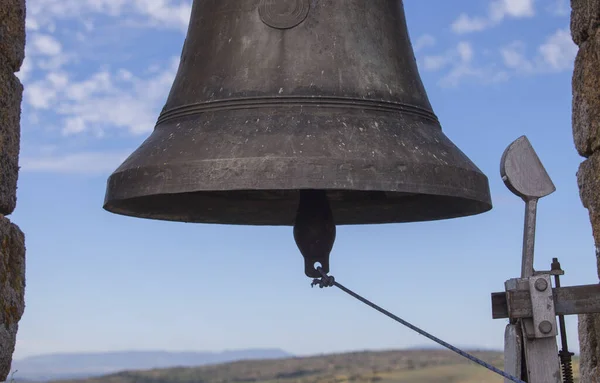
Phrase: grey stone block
{"type": "Point", "coordinates": [12, 33]}
{"type": "Point", "coordinates": [11, 94]}
{"type": "Point", "coordinates": [589, 342]}
{"type": "Point", "coordinates": [12, 290]}
{"type": "Point", "coordinates": [586, 97]}
{"type": "Point", "coordinates": [588, 180]}
{"type": "Point", "coordinates": [585, 18]}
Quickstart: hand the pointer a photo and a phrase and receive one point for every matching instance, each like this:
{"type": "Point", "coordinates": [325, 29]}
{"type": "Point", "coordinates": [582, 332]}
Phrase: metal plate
{"type": "Point", "coordinates": [523, 172]}
{"type": "Point", "coordinates": [542, 303]}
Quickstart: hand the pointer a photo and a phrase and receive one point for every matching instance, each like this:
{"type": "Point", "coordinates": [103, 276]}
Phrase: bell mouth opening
{"type": "Point", "coordinates": [279, 207]}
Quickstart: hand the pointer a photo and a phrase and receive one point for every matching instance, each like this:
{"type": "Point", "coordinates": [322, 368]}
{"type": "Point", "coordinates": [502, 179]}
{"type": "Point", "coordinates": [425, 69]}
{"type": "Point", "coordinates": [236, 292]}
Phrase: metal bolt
{"type": "Point", "coordinates": [541, 284]}
{"type": "Point", "coordinates": [545, 327]}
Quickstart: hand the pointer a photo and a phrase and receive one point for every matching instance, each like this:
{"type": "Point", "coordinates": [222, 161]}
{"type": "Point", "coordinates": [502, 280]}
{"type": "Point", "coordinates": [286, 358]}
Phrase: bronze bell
{"type": "Point", "coordinates": [274, 97]}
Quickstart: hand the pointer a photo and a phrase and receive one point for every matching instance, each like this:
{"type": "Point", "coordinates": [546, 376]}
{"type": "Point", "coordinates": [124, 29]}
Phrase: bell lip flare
{"type": "Point", "coordinates": [231, 168]}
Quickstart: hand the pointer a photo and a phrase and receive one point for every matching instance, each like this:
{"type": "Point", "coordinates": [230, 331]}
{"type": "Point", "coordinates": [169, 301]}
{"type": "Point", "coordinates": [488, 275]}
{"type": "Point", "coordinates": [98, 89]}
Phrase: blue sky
{"type": "Point", "coordinates": [96, 76]}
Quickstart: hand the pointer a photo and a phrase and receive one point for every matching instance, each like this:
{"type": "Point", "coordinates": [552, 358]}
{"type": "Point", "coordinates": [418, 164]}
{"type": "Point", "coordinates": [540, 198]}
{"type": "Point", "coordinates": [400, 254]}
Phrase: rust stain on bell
{"type": "Point", "coordinates": [275, 97]}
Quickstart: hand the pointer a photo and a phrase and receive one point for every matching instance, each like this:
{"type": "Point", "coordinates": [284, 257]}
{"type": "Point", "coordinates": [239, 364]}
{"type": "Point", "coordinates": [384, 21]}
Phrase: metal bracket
{"type": "Point", "coordinates": [542, 302]}
{"type": "Point", "coordinates": [551, 272]}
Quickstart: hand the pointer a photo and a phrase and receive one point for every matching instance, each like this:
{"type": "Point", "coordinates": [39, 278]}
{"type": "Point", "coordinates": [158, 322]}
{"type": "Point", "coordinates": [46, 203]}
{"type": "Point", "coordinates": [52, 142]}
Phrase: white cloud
{"type": "Point", "coordinates": [434, 63]}
{"type": "Point", "coordinates": [559, 8]}
{"type": "Point", "coordinates": [465, 24]}
{"type": "Point", "coordinates": [134, 107]}
{"type": "Point", "coordinates": [160, 13]}
{"type": "Point", "coordinates": [556, 54]}
{"type": "Point", "coordinates": [559, 51]}
{"type": "Point", "coordinates": [498, 10]}
{"type": "Point", "coordinates": [45, 52]}
{"type": "Point", "coordinates": [89, 163]}
{"type": "Point", "coordinates": [103, 101]}
{"type": "Point", "coordinates": [69, 96]}
{"type": "Point", "coordinates": [46, 45]}
{"type": "Point", "coordinates": [465, 51]}
{"type": "Point", "coordinates": [104, 98]}
{"type": "Point", "coordinates": [44, 93]}
{"type": "Point", "coordinates": [424, 42]}
{"type": "Point", "coordinates": [514, 58]}
{"type": "Point", "coordinates": [25, 70]}
{"type": "Point", "coordinates": [459, 62]}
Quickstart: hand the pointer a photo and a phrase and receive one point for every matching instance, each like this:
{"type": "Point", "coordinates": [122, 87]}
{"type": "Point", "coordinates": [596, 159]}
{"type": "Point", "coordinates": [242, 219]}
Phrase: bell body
{"type": "Point", "coordinates": [272, 97]}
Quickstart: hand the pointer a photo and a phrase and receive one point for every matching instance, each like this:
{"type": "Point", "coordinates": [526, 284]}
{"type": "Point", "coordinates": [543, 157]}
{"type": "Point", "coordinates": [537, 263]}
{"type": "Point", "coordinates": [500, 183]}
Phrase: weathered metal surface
{"type": "Point", "coordinates": [541, 360]}
{"type": "Point", "coordinates": [524, 174]}
{"type": "Point", "coordinates": [529, 238]}
{"type": "Point", "coordinates": [567, 301]}
{"type": "Point", "coordinates": [314, 231]}
{"type": "Point", "coordinates": [513, 351]}
{"type": "Point", "coordinates": [549, 272]}
{"type": "Point", "coordinates": [283, 14]}
{"type": "Point", "coordinates": [257, 113]}
{"type": "Point", "coordinates": [542, 303]}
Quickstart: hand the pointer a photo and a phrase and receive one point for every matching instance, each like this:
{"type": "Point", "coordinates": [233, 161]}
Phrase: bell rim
{"type": "Point", "coordinates": [468, 201]}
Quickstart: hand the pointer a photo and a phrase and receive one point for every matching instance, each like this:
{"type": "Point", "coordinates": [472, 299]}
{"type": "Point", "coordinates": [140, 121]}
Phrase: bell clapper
{"type": "Point", "coordinates": [314, 231]}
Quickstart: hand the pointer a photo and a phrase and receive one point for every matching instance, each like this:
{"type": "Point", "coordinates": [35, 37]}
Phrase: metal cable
{"type": "Point", "coordinates": [328, 281]}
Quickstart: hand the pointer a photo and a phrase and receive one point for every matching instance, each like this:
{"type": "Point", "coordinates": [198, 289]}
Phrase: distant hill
{"type": "Point", "coordinates": [76, 366]}
{"type": "Point", "coordinates": [408, 366]}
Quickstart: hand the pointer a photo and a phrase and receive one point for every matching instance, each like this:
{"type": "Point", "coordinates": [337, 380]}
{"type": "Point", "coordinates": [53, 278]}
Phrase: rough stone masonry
{"type": "Point", "coordinates": [585, 30]}
{"type": "Point", "coordinates": [12, 240]}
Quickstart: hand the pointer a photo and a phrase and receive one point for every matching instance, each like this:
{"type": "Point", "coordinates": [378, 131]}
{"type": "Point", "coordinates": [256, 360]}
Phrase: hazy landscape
{"type": "Point", "coordinates": [406, 366]}
{"type": "Point", "coordinates": [85, 365]}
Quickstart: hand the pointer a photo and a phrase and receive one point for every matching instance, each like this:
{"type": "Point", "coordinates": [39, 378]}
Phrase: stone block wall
{"type": "Point", "coordinates": [12, 240]}
{"type": "Point", "coordinates": [585, 30]}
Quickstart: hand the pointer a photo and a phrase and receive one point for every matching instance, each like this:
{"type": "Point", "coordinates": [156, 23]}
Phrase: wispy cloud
{"type": "Point", "coordinates": [43, 52]}
{"type": "Point", "coordinates": [160, 13]}
{"type": "Point", "coordinates": [423, 42]}
{"type": "Point", "coordinates": [498, 11]}
{"type": "Point", "coordinates": [458, 64]}
{"type": "Point", "coordinates": [73, 97]}
{"type": "Point", "coordinates": [556, 54]}
{"type": "Point", "coordinates": [46, 45]}
{"type": "Point", "coordinates": [559, 7]}
{"type": "Point", "coordinates": [83, 163]}
{"type": "Point", "coordinates": [104, 100]}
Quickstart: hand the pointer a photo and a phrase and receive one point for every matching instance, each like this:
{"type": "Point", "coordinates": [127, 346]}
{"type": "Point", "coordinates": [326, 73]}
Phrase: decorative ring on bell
{"type": "Point", "coordinates": [283, 14]}
{"type": "Point", "coordinates": [287, 101]}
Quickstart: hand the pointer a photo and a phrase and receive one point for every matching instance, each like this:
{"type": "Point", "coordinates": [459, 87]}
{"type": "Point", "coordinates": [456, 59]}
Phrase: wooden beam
{"type": "Point", "coordinates": [567, 301]}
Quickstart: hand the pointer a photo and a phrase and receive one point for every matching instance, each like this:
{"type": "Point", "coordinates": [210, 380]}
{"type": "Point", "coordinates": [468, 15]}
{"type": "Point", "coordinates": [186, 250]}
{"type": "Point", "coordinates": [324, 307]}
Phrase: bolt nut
{"type": "Point", "coordinates": [541, 284]}
{"type": "Point", "coordinates": [545, 327]}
